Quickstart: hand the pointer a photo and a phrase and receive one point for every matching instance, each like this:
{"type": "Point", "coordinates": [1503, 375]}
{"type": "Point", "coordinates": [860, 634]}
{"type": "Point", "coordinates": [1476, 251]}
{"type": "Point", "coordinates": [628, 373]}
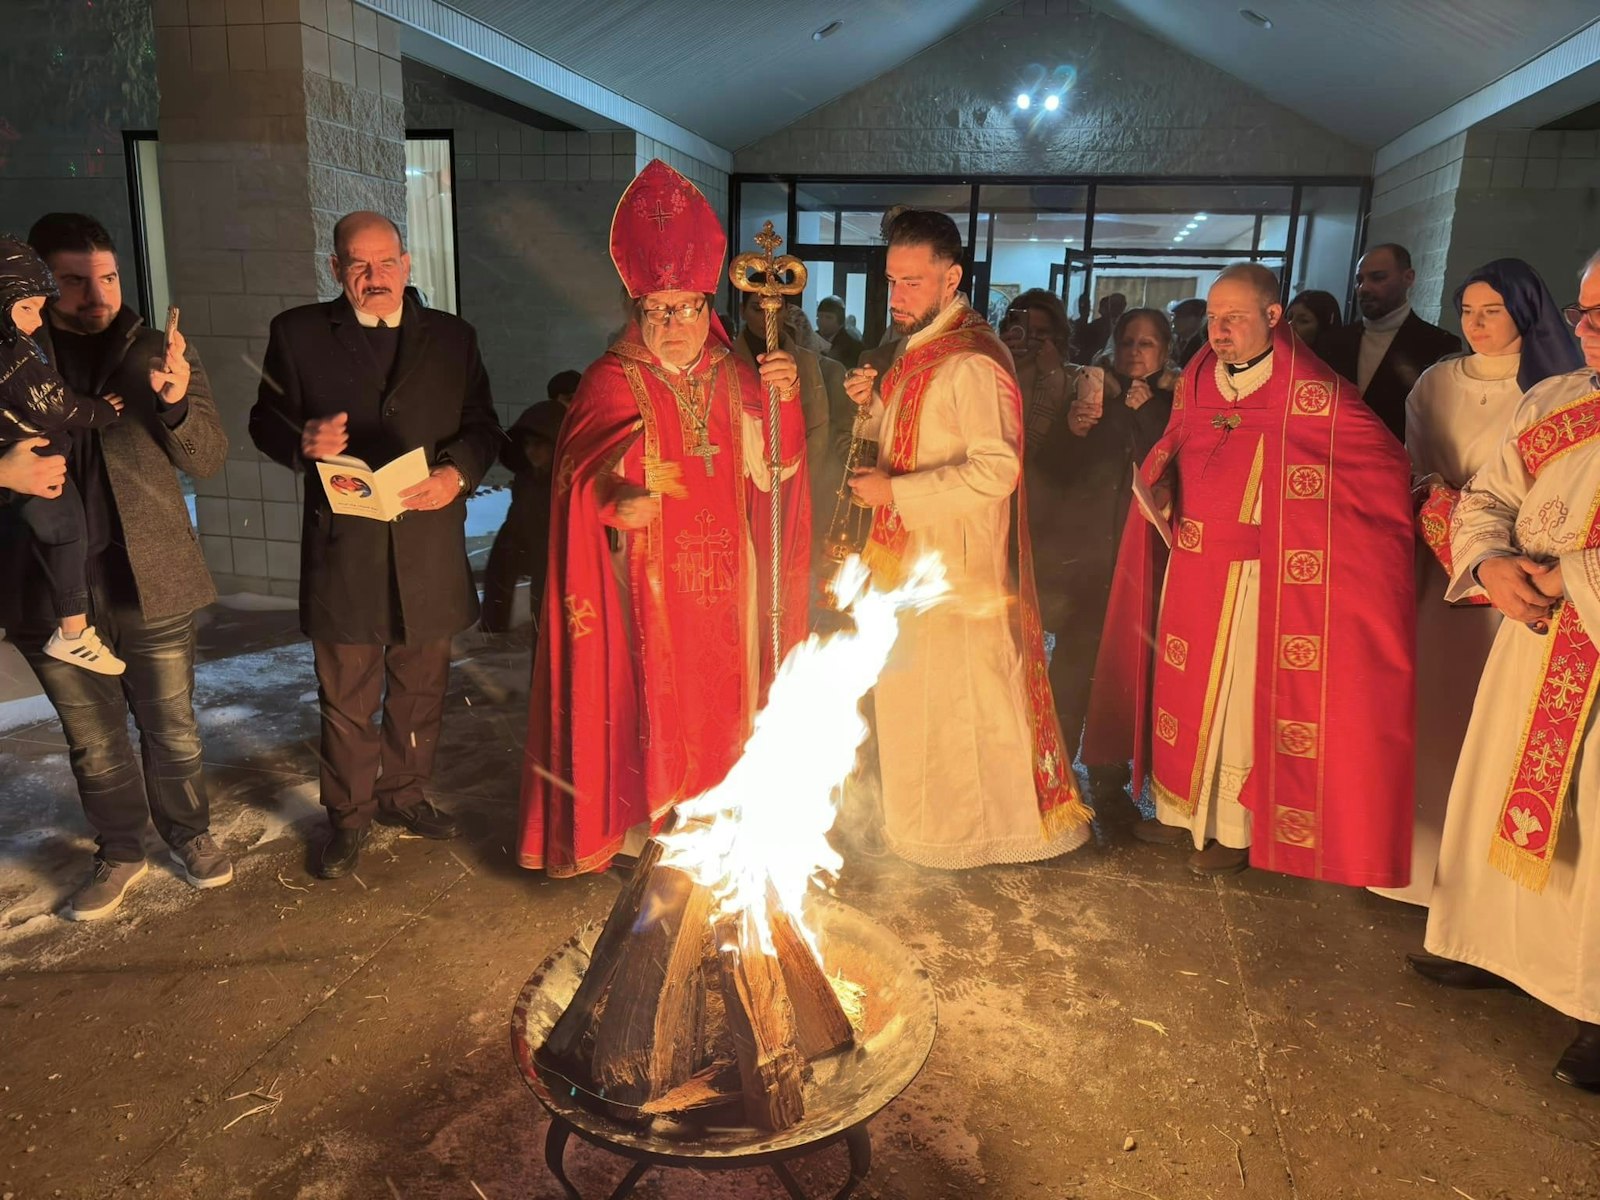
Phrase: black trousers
{"type": "Point", "coordinates": [60, 543]}
{"type": "Point", "coordinates": [166, 783]}
{"type": "Point", "coordinates": [366, 767]}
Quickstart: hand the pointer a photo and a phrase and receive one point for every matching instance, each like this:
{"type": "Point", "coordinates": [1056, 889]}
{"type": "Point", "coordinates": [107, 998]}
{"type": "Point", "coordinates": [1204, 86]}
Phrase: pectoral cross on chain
{"type": "Point", "coordinates": [705, 451]}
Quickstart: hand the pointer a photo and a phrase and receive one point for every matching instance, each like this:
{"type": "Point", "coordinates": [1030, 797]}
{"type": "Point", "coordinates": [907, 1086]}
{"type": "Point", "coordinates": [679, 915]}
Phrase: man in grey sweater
{"type": "Point", "coordinates": [146, 573]}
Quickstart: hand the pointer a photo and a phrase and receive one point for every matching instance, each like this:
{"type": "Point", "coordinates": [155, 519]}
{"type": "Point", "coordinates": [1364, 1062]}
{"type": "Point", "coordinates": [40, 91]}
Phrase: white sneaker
{"type": "Point", "coordinates": [86, 651]}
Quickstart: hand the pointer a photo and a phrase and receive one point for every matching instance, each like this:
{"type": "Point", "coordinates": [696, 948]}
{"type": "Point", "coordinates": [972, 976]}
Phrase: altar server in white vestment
{"type": "Point", "coordinates": [1456, 418]}
{"type": "Point", "coordinates": [970, 751]}
{"type": "Point", "coordinates": [1516, 897]}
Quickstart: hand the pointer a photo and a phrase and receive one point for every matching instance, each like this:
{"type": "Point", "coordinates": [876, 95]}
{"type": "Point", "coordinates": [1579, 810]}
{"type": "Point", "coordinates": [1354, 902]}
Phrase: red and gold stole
{"type": "Point", "coordinates": [904, 387]}
{"type": "Point", "coordinates": [1524, 842]}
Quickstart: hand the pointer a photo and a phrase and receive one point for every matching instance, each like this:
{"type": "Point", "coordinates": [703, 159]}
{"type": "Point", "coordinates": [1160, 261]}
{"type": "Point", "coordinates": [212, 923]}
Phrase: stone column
{"type": "Point", "coordinates": [277, 116]}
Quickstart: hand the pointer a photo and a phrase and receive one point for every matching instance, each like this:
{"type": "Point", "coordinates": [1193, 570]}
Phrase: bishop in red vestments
{"type": "Point", "coordinates": [1268, 692]}
{"type": "Point", "coordinates": [650, 663]}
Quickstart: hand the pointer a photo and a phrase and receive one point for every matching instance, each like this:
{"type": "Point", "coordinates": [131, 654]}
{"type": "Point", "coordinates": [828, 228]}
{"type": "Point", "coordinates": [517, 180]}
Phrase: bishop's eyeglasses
{"type": "Point", "coordinates": [1575, 313]}
{"type": "Point", "coordinates": [684, 314]}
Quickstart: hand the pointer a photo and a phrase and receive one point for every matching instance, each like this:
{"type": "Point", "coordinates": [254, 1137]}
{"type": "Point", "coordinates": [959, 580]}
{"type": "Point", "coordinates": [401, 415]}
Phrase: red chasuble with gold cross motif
{"type": "Point", "coordinates": [1330, 787]}
{"type": "Point", "coordinates": [645, 686]}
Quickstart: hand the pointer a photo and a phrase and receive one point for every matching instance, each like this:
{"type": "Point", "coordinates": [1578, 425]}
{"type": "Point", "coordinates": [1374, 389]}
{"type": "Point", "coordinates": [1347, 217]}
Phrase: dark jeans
{"type": "Point", "coordinates": [167, 784]}
{"type": "Point", "coordinates": [365, 768]}
{"type": "Point", "coordinates": [60, 543]}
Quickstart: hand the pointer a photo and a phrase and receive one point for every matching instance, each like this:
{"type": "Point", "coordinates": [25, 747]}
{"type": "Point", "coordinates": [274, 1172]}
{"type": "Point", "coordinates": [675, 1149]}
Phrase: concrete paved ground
{"type": "Point", "coordinates": [1254, 1037]}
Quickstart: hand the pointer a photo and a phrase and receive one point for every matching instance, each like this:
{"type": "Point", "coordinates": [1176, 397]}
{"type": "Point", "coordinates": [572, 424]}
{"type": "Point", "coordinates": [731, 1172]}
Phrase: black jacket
{"type": "Point", "coordinates": [141, 454]}
{"type": "Point", "coordinates": [36, 402]}
{"type": "Point", "coordinates": [364, 581]}
{"type": "Point", "coordinates": [1417, 346]}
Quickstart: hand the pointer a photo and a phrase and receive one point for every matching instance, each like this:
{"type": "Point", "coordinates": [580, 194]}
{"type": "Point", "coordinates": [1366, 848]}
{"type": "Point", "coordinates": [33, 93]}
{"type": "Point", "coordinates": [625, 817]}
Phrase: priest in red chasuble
{"type": "Point", "coordinates": [1265, 684]}
{"type": "Point", "coordinates": [651, 656]}
{"type": "Point", "coordinates": [969, 748]}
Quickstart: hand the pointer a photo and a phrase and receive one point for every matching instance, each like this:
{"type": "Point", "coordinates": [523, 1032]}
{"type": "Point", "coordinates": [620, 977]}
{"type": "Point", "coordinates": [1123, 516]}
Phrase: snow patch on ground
{"type": "Point", "coordinates": [25, 710]}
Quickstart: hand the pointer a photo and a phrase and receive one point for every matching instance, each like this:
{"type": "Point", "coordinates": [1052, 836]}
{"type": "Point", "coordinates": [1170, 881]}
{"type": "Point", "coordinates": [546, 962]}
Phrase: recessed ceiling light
{"type": "Point", "coordinates": [1034, 238]}
{"type": "Point", "coordinates": [1199, 216]}
{"type": "Point", "coordinates": [1024, 100]}
{"type": "Point", "coordinates": [828, 30]}
{"type": "Point", "coordinates": [1052, 103]}
{"type": "Point", "coordinates": [1192, 225]}
{"type": "Point", "coordinates": [1255, 18]}
{"type": "Point", "coordinates": [1179, 238]}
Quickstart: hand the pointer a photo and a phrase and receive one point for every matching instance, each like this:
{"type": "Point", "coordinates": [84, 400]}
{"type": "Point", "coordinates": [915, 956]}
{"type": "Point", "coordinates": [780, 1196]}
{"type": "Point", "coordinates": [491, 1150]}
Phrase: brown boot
{"type": "Point", "coordinates": [1217, 859]}
{"type": "Point", "coordinates": [1157, 834]}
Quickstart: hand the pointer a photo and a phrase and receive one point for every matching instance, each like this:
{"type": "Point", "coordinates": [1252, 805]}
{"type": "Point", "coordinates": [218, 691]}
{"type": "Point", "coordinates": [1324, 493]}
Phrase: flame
{"type": "Point", "coordinates": [762, 831]}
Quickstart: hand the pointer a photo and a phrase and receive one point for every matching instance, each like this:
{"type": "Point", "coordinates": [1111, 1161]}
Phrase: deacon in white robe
{"type": "Point", "coordinates": [1536, 924]}
{"type": "Point", "coordinates": [955, 743]}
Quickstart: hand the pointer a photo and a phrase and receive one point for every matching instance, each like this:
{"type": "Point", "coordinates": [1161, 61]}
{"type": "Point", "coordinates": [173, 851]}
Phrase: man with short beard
{"type": "Point", "coordinates": [1276, 672]}
{"type": "Point", "coordinates": [145, 571]}
{"type": "Point", "coordinates": [970, 751]}
{"type": "Point", "coordinates": [1390, 347]}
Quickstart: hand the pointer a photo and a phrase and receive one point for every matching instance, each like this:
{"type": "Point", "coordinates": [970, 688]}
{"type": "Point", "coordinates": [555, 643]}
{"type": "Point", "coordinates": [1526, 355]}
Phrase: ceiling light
{"type": "Point", "coordinates": [1024, 100]}
{"type": "Point", "coordinates": [1179, 238]}
{"type": "Point", "coordinates": [1199, 216]}
{"type": "Point", "coordinates": [1192, 225]}
{"type": "Point", "coordinates": [1052, 103]}
{"type": "Point", "coordinates": [828, 30]}
{"type": "Point", "coordinates": [1255, 18]}
{"type": "Point", "coordinates": [1033, 237]}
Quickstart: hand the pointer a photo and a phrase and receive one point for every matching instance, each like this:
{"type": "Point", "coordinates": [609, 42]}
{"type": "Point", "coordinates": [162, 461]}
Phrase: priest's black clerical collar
{"type": "Point", "coordinates": [1241, 368]}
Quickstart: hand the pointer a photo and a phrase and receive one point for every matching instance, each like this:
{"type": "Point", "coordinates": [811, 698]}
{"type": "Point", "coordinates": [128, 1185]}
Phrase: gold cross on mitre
{"type": "Point", "coordinates": [778, 277]}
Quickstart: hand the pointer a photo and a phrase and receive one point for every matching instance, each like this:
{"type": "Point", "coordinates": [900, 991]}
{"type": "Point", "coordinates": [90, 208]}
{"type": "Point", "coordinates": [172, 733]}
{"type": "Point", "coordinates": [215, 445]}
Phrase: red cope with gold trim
{"type": "Point", "coordinates": [1330, 788]}
{"type": "Point", "coordinates": [643, 695]}
{"type": "Point", "coordinates": [904, 387]}
{"type": "Point", "coordinates": [1524, 842]}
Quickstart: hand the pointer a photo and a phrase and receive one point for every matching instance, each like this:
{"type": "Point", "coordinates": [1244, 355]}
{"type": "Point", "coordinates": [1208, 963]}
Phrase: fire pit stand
{"type": "Point", "coordinates": [894, 1035]}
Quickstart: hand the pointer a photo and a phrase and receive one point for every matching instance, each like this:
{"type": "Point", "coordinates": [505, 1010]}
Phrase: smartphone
{"type": "Point", "coordinates": [172, 326]}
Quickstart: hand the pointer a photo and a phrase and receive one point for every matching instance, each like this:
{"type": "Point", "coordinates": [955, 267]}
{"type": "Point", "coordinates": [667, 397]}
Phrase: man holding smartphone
{"type": "Point", "coordinates": [146, 574]}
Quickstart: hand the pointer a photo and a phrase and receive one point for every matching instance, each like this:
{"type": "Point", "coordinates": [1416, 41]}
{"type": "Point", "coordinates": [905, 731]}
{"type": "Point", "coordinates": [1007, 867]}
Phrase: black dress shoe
{"type": "Point", "coordinates": [422, 819]}
{"type": "Point", "coordinates": [342, 851]}
{"type": "Point", "coordinates": [1580, 1065]}
{"type": "Point", "coordinates": [1450, 973]}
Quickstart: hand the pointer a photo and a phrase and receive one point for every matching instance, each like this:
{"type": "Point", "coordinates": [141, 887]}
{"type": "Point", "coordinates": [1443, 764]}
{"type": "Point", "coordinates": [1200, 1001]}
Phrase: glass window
{"type": "Point", "coordinates": [149, 232]}
{"type": "Point", "coordinates": [430, 219]}
{"type": "Point", "coordinates": [759, 203]}
{"type": "Point", "coordinates": [1036, 230]}
{"type": "Point", "coordinates": [851, 214]}
{"type": "Point", "coordinates": [1192, 217]}
{"type": "Point", "coordinates": [1326, 240]}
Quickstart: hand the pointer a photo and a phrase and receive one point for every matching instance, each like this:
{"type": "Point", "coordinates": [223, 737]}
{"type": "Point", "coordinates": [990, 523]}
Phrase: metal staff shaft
{"type": "Point", "coordinates": [772, 279]}
{"type": "Point", "coordinates": [771, 305]}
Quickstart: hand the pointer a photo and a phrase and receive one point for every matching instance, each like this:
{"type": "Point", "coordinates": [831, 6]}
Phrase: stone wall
{"type": "Point", "coordinates": [1489, 194]}
{"type": "Point", "coordinates": [1137, 107]}
{"type": "Point", "coordinates": [76, 76]}
{"type": "Point", "coordinates": [277, 116]}
{"type": "Point", "coordinates": [533, 219]}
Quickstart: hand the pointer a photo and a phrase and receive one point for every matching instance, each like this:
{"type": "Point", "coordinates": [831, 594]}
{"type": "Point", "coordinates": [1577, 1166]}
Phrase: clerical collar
{"type": "Point", "coordinates": [370, 320]}
{"type": "Point", "coordinates": [1389, 321]}
{"type": "Point", "coordinates": [1241, 368]}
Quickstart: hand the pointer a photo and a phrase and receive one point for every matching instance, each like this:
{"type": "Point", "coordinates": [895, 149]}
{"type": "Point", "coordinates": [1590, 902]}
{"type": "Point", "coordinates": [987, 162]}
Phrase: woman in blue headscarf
{"type": "Point", "coordinates": [1456, 420]}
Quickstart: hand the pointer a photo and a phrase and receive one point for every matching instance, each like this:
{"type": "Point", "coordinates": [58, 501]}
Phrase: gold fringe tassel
{"type": "Point", "coordinates": [1519, 866]}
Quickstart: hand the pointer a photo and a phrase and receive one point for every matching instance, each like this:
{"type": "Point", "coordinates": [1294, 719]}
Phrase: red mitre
{"type": "Point", "coordinates": [665, 237]}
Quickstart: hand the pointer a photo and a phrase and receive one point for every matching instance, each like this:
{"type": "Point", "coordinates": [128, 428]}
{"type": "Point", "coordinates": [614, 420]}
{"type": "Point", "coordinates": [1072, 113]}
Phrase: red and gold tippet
{"type": "Point", "coordinates": [904, 387]}
{"type": "Point", "coordinates": [1524, 842]}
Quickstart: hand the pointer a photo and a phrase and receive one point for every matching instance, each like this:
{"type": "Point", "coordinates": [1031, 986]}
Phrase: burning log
{"type": "Point", "coordinates": [683, 1011]}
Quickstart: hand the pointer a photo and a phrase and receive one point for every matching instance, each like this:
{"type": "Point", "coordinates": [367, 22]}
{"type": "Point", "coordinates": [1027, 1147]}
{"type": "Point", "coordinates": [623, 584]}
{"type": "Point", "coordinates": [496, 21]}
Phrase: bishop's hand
{"type": "Point", "coordinates": [631, 507]}
{"type": "Point", "coordinates": [779, 370]}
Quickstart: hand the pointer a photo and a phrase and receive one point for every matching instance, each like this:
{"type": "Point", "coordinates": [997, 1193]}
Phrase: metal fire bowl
{"type": "Point", "coordinates": [893, 1038]}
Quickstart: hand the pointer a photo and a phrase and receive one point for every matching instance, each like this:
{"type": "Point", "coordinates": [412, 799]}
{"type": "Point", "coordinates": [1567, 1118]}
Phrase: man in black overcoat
{"type": "Point", "coordinates": [373, 374]}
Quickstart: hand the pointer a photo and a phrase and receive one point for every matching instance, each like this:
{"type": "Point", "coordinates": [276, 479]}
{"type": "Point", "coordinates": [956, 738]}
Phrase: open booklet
{"type": "Point", "coordinates": [356, 490]}
{"type": "Point", "coordinates": [1147, 505]}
